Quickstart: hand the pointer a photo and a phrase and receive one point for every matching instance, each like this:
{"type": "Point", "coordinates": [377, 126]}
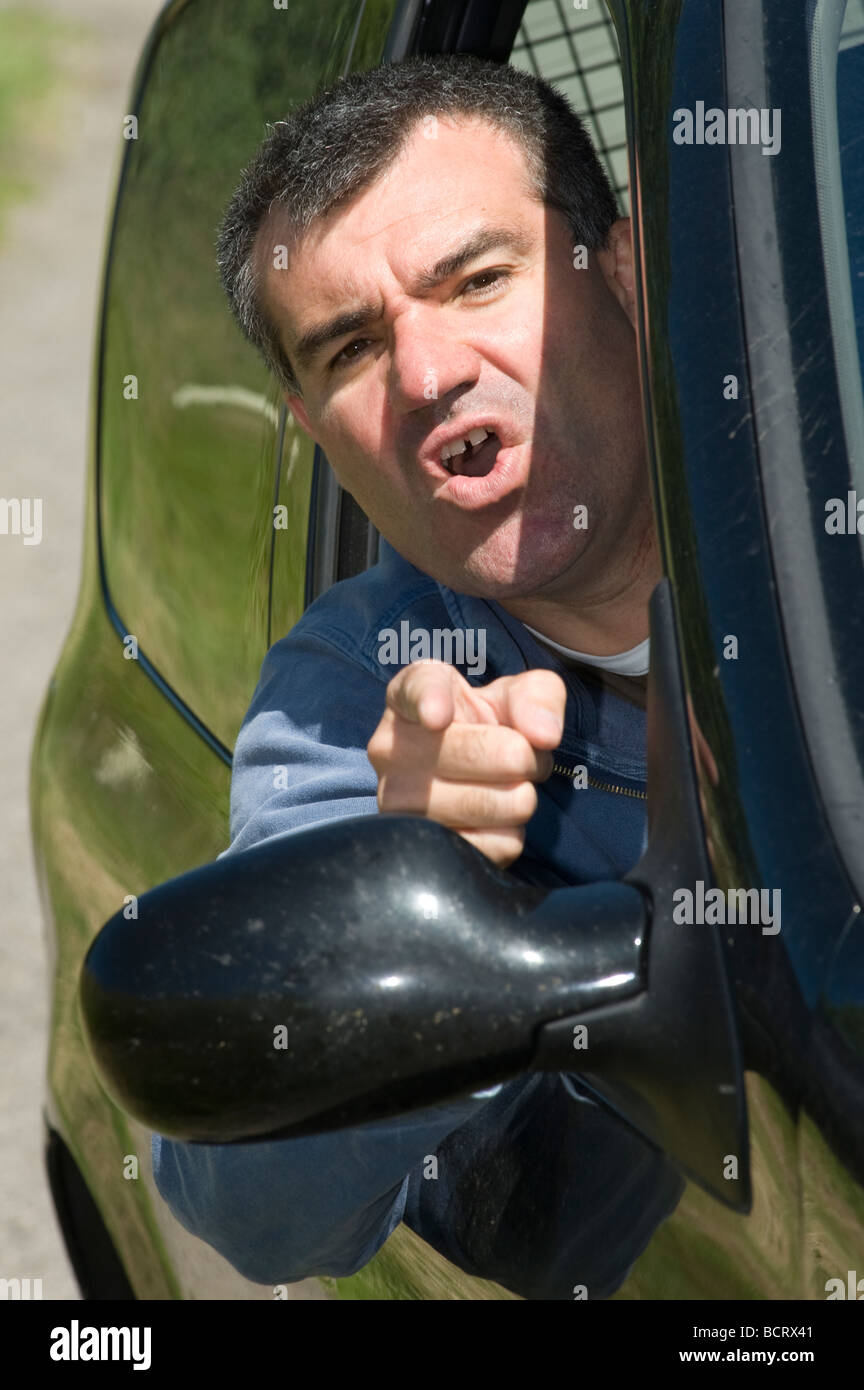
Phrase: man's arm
{"type": "Point", "coordinates": [288, 1209]}
{"type": "Point", "coordinates": [300, 756]}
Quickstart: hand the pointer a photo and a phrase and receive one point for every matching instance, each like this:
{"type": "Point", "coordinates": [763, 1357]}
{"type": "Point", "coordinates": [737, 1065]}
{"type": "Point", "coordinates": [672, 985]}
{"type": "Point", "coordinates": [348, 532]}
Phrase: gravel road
{"type": "Point", "coordinates": [50, 266]}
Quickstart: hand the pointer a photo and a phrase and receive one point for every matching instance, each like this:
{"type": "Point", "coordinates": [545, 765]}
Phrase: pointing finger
{"type": "Point", "coordinates": [532, 703]}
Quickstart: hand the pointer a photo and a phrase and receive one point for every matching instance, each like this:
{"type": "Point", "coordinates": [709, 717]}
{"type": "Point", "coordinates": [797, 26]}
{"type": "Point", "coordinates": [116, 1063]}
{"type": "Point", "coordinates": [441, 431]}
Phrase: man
{"type": "Point", "coordinates": [430, 258]}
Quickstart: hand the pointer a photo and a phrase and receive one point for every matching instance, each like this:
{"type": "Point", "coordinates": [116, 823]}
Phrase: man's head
{"type": "Point", "coordinates": [403, 252]}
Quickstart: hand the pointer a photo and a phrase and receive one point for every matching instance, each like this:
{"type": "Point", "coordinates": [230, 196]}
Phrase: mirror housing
{"type": "Point", "coordinates": [340, 973]}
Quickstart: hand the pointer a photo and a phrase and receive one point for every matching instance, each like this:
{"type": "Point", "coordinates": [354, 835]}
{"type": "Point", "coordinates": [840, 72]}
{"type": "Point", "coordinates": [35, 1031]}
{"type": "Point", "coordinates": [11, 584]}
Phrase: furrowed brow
{"type": "Point", "coordinates": [477, 244]}
{"type": "Point", "coordinates": [313, 340]}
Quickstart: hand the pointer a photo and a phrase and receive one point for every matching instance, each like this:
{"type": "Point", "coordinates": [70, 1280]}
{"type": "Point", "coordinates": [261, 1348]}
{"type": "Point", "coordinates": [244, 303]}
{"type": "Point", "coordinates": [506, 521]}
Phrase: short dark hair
{"type": "Point", "coordinates": [333, 147]}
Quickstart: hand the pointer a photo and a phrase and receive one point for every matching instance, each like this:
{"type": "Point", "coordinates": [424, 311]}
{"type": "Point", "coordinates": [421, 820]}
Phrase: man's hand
{"type": "Point", "coordinates": [468, 758]}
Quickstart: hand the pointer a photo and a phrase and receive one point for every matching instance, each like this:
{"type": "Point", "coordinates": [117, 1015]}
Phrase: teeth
{"type": "Point", "coordinates": [474, 437]}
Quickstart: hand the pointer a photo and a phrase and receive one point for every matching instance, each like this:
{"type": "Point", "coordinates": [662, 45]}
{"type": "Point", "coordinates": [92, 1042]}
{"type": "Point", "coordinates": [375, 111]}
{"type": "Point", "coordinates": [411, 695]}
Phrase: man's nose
{"type": "Point", "coordinates": [429, 359]}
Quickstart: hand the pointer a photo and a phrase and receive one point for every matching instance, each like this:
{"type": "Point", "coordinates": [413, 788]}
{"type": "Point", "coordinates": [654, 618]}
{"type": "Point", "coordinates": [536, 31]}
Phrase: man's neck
{"type": "Point", "coordinates": [601, 634]}
{"type": "Point", "coordinates": [613, 619]}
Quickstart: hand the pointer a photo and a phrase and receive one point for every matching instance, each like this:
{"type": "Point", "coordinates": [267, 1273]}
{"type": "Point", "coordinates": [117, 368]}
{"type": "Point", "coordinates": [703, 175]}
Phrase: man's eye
{"type": "Point", "coordinates": [346, 354]}
{"type": "Point", "coordinates": [494, 279]}
{"type": "Point", "coordinates": [486, 283]}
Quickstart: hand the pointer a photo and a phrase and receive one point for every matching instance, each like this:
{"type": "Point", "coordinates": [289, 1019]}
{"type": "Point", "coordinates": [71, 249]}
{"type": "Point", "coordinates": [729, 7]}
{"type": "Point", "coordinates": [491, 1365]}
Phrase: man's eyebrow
{"type": "Point", "coordinates": [310, 343]}
{"type": "Point", "coordinates": [478, 243]}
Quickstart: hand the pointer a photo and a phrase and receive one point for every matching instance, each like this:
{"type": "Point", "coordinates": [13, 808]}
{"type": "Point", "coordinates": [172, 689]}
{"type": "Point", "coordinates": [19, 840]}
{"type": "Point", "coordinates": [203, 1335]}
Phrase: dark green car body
{"type": "Point", "coordinates": [212, 523]}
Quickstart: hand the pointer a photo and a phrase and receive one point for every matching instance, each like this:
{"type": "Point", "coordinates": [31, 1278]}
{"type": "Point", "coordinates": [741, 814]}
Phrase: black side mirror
{"type": "Point", "coordinates": [358, 969]}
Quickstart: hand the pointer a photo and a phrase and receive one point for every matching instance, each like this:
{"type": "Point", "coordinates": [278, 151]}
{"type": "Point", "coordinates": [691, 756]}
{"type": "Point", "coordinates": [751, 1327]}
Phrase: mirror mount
{"type": "Point", "coordinates": [668, 1059]}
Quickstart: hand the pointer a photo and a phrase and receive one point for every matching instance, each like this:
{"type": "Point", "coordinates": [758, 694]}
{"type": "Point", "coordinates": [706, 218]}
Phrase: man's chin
{"type": "Point", "coordinates": [503, 576]}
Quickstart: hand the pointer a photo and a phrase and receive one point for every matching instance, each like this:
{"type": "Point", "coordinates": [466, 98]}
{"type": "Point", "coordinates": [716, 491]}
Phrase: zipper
{"type": "Point", "coordinates": [601, 786]}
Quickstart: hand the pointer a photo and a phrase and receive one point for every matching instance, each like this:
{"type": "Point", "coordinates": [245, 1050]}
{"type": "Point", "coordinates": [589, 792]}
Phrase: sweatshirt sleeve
{"type": "Point", "coordinates": [300, 756]}
{"type": "Point", "coordinates": [289, 1209]}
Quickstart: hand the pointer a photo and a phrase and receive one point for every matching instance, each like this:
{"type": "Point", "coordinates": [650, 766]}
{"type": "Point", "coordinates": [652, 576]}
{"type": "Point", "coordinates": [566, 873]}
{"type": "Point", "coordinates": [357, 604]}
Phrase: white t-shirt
{"type": "Point", "coordinates": [632, 663]}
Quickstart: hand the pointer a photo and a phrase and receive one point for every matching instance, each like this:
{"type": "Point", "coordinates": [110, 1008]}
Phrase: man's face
{"type": "Point", "coordinates": [461, 313]}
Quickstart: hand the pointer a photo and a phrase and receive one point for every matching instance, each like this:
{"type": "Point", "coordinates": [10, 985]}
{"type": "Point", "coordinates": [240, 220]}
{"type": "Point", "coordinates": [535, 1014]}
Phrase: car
{"type": "Point", "coordinates": [734, 1043]}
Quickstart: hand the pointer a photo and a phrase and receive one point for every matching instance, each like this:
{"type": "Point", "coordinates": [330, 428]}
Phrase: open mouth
{"type": "Point", "coordinates": [474, 456]}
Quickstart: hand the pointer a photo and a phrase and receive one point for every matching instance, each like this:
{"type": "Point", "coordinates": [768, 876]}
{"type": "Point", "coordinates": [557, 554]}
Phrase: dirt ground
{"type": "Point", "coordinates": [50, 268]}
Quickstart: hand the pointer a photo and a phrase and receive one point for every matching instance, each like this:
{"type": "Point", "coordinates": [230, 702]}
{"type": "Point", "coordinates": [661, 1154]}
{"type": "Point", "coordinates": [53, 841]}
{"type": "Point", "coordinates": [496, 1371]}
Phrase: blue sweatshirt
{"type": "Point", "coordinates": [537, 1186]}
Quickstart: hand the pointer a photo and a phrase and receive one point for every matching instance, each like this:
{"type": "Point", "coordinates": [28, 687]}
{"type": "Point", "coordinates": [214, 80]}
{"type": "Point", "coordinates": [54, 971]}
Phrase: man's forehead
{"type": "Point", "coordinates": [329, 269]}
{"type": "Point", "coordinates": [442, 253]}
{"type": "Point", "coordinates": [354, 312]}
{"type": "Point", "coordinates": [461, 145]}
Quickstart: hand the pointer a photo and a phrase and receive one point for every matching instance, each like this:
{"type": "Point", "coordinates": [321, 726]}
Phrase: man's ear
{"type": "Point", "coordinates": [616, 262]}
{"type": "Point", "coordinates": [295, 405]}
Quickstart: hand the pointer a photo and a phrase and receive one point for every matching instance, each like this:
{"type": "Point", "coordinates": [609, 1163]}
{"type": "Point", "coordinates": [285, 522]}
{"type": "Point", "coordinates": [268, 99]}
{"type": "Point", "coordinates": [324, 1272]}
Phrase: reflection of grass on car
{"type": "Point", "coordinates": [187, 480]}
{"type": "Point", "coordinates": [410, 1265]}
{"type": "Point", "coordinates": [704, 1247]}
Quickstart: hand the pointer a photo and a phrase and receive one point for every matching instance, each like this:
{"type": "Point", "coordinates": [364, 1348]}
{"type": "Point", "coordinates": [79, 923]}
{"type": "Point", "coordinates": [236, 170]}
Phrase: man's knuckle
{"type": "Point", "coordinates": [473, 752]}
{"type": "Point", "coordinates": [525, 800]}
{"type": "Point", "coordinates": [547, 685]}
{"type": "Point", "coordinates": [510, 847]}
{"type": "Point", "coordinates": [521, 760]}
{"type": "Point", "coordinates": [391, 793]}
{"type": "Point", "coordinates": [407, 794]}
{"type": "Point", "coordinates": [481, 805]}
{"type": "Point", "coordinates": [379, 749]}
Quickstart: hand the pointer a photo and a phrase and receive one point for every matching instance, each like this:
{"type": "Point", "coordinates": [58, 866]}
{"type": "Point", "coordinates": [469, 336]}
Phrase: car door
{"type": "Point", "coordinates": [748, 437]}
{"type": "Point", "coordinates": [772, 823]}
{"type": "Point", "coordinates": [799, 249]}
{"type": "Point", "coordinates": [191, 478]}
